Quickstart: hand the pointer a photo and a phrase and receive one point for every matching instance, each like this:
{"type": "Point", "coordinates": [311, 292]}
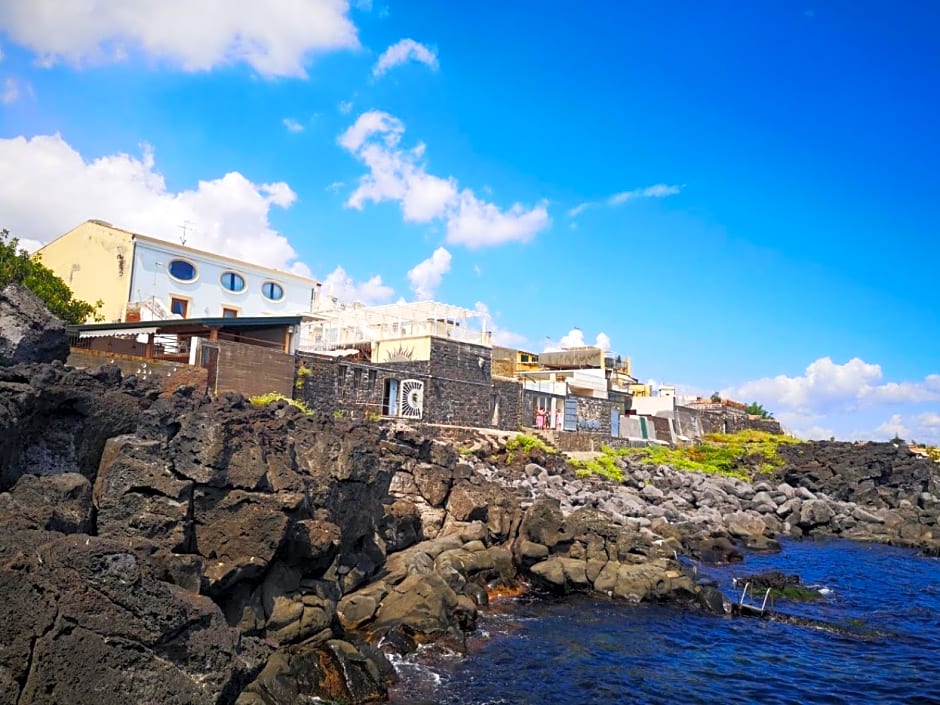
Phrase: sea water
{"type": "Point", "coordinates": [882, 602]}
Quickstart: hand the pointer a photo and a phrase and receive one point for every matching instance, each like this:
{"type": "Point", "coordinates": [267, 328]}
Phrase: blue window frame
{"type": "Point", "coordinates": [232, 281]}
{"type": "Point", "coordinates": [182, 270]}
{"type": "Point", "coordinates": [273, 291]}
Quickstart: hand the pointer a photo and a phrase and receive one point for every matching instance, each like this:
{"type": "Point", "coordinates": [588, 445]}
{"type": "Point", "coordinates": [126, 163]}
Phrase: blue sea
{"type": "Point", "coordinates": [585, 650]}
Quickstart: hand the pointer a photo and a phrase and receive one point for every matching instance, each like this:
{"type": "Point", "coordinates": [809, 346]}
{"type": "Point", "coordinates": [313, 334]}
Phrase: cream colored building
{"type": "Point", "coordinates": [143, 278]}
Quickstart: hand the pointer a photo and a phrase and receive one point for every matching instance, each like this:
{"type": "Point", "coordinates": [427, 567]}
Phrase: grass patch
{"type": "Point", "coordinates": [271, 397]}
{"type": "Point", "coordinates": [743, 455]}
{"type": "Point", "coordinates": [604, 465]}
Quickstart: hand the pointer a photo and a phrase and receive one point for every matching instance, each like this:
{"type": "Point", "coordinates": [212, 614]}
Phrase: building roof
{"type": "Point", "coordinates": [192, 251]}
{"type": "Point", "coordinates": [180, 326]}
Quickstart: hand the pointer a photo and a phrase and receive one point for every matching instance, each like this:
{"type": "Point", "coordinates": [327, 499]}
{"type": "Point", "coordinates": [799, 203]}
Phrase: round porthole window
{"type": "Point", "coordinates": [273, 291]}
{"type": "Point", "coordinates": [232, 281]}
{"type": "Point", "coordinates": [182, 270]}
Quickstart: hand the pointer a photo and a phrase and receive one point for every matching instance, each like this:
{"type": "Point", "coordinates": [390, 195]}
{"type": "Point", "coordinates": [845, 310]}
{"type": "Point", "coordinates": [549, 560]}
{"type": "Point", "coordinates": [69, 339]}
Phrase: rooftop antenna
{"type": "Point", "coordinates": [184, 227]}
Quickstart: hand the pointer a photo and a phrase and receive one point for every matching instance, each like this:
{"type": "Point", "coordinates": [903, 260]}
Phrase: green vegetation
{"type": "Point", "coordinates": [525, 444]}
{"type": "Point", "coordinates": [604, 465]}
{"type": "Point", "coordinates": [301, 376]}
{"type": "Point", "coordinates": [742, 455]}
{"type": "Point", "coordinates": [16, 265]}
{"type": "Point", "coordinates": [339, 413]}
{"type": "Point", "coordinates": [271, 397]}
{"type": "Point", "coordinates": [756, 409]}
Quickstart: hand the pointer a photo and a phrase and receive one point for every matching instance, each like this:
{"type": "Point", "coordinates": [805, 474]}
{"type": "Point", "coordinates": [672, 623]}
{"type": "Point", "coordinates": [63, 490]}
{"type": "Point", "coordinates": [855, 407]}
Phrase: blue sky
{"type": "Point", "coordinates": [741, 196]}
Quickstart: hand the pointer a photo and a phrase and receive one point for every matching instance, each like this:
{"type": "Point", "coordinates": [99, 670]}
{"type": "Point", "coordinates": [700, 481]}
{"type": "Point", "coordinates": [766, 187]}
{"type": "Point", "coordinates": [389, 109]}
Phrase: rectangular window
{"type": "Point", "coordinates": [179, 306]}
{"type": "Point", "coordinates": [229, 312]}
{"type": "Point", "coordinates": [357, 378]}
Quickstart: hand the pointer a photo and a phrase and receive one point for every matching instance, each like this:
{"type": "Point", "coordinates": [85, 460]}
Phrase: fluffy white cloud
{"type": "Point", "coordinates": [827, 385]}
{"type": "Point", "coordinates": [402, 51]}
{"type": "Point", "coordinates": [400, 175]}
{"type": "Point", "coordinates": [655, 191]}
{"type": "Point", "coordinates": [292, 125]}
{"type": "Point", "coordinates": [574, 338]}
{"type": "Point", "coordinates": [370, 292]}
{"type": "Point", "coordinates": [426, 276]}
{"type": "Point", "coordinates": [47, 188]}
{"type": "Point", "coordinates": [276, 38]}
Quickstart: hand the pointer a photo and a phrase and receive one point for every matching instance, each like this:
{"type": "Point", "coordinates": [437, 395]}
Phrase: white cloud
{"type": "Point", "coordinates": [9, 92]}
{"type": "Point", "coordinates": [229, 213]}
{"type": "Point", "coordinates": [827, 386]}
{"type": "Point", "coordinates": [370, 292]}
{"type": "Point", "coordinates": [345, 107]}
{"type": "Point", "coordinates": [894, 428]}
{"type": "Point", "coordinates": [929, 419]}
{"type": "Point", "coordinates": [292, 125]}
{"type": "Point", "coordinates": [426, 276]}
{"type": "Point", "coordinates": [335, 185]}
{"type": "Point", "coordinates": [655, 191]}
{"type": "Point", "coordinates": [275, 38]}
{"type": "Point", "coordinates": [402, 51]}
{"type": "Point", "coordinates": [400, 175]}
{"type": "Point", "coordinates": [574, 338]}
{"type": "Point", "coordinates": [501, 336]}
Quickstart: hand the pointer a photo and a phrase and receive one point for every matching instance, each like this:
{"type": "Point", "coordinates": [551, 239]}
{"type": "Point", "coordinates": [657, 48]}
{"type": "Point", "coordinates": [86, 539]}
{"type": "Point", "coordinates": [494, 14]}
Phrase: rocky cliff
{"type": "Point", "coordinates": [178, 549]}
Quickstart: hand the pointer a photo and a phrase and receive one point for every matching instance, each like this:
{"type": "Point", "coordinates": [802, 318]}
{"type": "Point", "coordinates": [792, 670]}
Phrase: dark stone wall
{"type": "Point", "coordinates": [458, 389]}
{"type": "Point", "coordinates": [509, 397]}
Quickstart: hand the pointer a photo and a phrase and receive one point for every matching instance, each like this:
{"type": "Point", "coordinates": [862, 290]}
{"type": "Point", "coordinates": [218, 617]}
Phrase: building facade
{"type": "Point", "coordinates": [137, 277]}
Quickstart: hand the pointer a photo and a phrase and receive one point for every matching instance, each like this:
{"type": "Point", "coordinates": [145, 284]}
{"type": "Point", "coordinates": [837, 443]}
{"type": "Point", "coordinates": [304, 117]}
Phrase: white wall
{"type": "Point", "coordinates": [206, 293]}
{"type": "Point", "coordinates": [651, 406]}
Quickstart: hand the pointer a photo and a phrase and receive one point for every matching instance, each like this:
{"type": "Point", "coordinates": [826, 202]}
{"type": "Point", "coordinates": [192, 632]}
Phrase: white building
{"type": "Point", "coordinates": [142, 278]}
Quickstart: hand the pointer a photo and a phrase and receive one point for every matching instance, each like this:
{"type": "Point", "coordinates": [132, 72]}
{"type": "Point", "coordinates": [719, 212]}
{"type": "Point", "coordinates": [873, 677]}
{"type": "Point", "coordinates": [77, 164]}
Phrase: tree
{"type": "Point", "coordinates": [17, 266]}
{"type": "Point", "coordinates": [715, 398]}
{"type": "Point", "coordinates": [756, 409]}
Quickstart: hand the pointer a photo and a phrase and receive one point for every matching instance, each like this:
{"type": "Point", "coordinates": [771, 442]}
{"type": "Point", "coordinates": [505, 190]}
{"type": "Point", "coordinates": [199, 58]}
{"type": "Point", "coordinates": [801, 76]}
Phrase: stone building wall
{"type": "Point", "coordinates": [458, 389]}
{"type": "Point", "coordinates": [695, 423]}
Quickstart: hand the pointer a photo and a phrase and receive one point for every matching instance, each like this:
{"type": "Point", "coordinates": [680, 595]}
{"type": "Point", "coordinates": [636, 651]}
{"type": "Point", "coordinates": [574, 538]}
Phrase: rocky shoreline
{"type": "Point", "coordinates": [176, 549]}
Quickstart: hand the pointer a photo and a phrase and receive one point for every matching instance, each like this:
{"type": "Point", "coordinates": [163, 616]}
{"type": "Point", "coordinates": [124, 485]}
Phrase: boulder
{"type": "Point", "coordinates": [28, 332]}
{"type": "Point", "coordinates": [331, 671]}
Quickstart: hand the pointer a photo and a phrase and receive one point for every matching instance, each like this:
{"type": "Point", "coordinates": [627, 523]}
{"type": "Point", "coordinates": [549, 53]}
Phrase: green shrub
{"type": "Point", "coordinates": [271, 397]}
{"type": "Point", "coordinates": [526, 444]}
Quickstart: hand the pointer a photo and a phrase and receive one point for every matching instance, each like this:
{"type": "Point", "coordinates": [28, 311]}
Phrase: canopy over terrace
{"type": "Point", "coordinates": [169, 339]}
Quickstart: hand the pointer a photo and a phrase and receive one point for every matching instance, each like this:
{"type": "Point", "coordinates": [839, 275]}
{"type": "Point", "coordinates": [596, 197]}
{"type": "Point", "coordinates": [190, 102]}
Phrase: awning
{"type": "Point", "coordinates": [116, 332]}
